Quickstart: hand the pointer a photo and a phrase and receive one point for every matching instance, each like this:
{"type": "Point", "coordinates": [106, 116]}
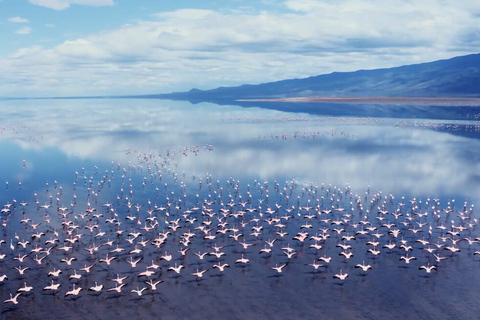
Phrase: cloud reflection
{"type": "Point", "coordinates": [403, 161]}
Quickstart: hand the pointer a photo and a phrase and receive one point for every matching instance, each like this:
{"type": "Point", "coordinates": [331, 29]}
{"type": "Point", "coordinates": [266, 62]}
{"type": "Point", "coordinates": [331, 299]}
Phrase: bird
{"type": "Point", "coordinates": [453, 249]}
{"type": "Point", "coordinates": [74, 291]}
{"type": "Point", "coordinates": [68, 261]}
{"type": "Point", "coordinates": [153, 266]}
{"type": "Point", "coordinates": [390, 246]}
{"type": "Point", "coordinates": [289, 254]}
{"type": "Point", "coordinates": [221, 267]}
{"type": "Point", "coordinates": [428, 268]}
{"type": "Point", "coordinates": [278, 268]}
{"type": "Point", "coordinates": [167, 256]}
{"type": "Point", "coordinates": [25, 288]}
{"type": "Point", "coordinates": [13, 299]}
{"type": "Point", "coordinates": [407, 258]}
{"type": "Point", "coordinates": [21, 270]}
{"type": "Point", "coordinates": [87, 269]}
{"type": "Point", "coordinates": [347, 255]}
{"type": "Point", "coordinates": [242, 260]}
{"type": "Point", "coordinates": [75, 275]}
{"type": "Point", "coordinates": [138, 291]}
{"type": "Point", "coordinates": [363, 266]}
{"type": "Point", "coordinates": [201, 255]}
{"type": "Point", "coordinates": [134, 263]}
{"type": "Point", "coordinates": [341, 275]}
{"type": "Point", "coordinates": [107, 260]}
{"type": "Point", "coordinates": [119, 280]}
{"type": "Point", "coordinates": [146, 273]}
{"type": "Point", "coordinates": [39, 260]}
{"type": "Point", "coordinates": [438, 258]}
{"type": "Point", "coordinates": [374, 251]}
{"type": "Point", "coordinates": [217, 254]}
{"type": "Point", "coordinates": [55, 273]}
{"type": "Point", "coordinates": [199, 274]}
{"type": "Point", "coordinates": [176, 268]}
{"type": "Point", "coordinates": [326, 259]}
{"type": "Point", "coordinates": [153, 285]}
{"type": "Point", "coordinates": [53, 286]}
{"type": "Point", "coordinates": [117, 288]}
{"type": "Point", "coordinates": [20, 258]}
{"type": "Point", "coordinates": [96, 287]}
{"type": "Point", "coordinates": [315, 265]}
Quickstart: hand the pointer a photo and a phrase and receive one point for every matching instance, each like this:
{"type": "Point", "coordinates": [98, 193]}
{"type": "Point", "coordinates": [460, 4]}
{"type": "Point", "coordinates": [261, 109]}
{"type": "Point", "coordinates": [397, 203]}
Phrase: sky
{"type": "Point", "coordinates": [123, 47]}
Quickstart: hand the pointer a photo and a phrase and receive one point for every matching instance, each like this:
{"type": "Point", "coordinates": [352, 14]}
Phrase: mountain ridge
{"type": "Point", "coordinates": [457, 77]}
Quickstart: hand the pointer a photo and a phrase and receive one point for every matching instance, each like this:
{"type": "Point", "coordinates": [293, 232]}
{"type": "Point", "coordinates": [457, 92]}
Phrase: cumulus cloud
{"type": "Point", "coordinates": [18, 20]}
{"type": "Point", "coordinates": [64, 4]}
{"type": "Point", "coordinates": [24, 30]}
{"type": "Point", "coordinates": [187, 48]}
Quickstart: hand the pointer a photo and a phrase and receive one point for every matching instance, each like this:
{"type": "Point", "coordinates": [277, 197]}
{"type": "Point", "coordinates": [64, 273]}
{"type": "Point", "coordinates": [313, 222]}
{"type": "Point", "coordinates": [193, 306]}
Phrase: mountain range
{"type": "Point", "coordinates": [458, 77]}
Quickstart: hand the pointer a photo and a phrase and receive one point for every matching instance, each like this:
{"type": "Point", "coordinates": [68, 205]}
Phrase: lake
{"type": "Point", "coordinates": [89, 174]}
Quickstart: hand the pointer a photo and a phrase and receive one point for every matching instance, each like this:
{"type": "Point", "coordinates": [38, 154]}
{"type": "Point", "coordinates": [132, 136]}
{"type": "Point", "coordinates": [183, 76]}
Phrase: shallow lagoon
{"type": "Point", "coordinates": [82, 154]}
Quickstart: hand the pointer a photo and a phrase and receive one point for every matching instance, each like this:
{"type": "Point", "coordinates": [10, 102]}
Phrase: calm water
{"type": "Point", "coordinates": [165, 164]}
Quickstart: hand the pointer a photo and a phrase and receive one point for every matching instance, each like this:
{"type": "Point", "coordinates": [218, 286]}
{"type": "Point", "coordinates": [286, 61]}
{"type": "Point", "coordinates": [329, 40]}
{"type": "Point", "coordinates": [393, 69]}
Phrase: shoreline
{"type": "Point", "coordinates": [376, 100]}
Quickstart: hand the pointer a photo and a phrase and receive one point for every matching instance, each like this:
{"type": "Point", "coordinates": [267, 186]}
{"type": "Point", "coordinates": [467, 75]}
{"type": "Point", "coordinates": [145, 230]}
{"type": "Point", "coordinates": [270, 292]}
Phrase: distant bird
{"type": "Point", "coordinates": [68, 261]}
{"type": "Point", "coordinates": [96, 287]}
{"type": "Point", "coordinates": [75, 275]}
{"type": "Point", "coordinates": [364, 266]}
{"type": "Point", "coordinates": [146, 273]}
{"type": "Point", "coordinates": [55, 273]}
{"type": "Point", "coordinates": [199, 273]}
{"type": "Point", "coordinates": [278, 268]}
{"type": "Point", "coordinates": [342, 276]}
{"type": "Point", "coordinates": [87, 269]}
{"type": "Point", "coordinates": [315, 265]}
{"type": "Point", "coordinates": [438, 258]}
{"type": "Point", "coordinates": [428, 268]}
{"type": "Point", "coordinates": [53, 286]}
{"type": "Point", "coordinates": [119, 280]}
{"type": "Point", "coordinates": [107, 260]}
{"type": "Point", "coordinates": [138, 291]}
{"type": "Point", "coordinates": [242, 260]}
{"type": "Point", "coordinates": [407, 259]}
{"type": "Point", "coordinates": [25, 288]}
{"type": "Point", "coordinates": [325, 259]}
{"type": "Point", "coordinates": [176, 268]}
{"type": "Point", "coordinates": [21, 270]}
{"type": "Point", "coordinates": [117, 288]}
{"type": "Point", "coordinates": [134, 263]}
{"type": "Point", "coordinates": [152, 284]}
{"type": "Point", "coordinates": [13, 299]}
{"type": "Point", "coordinates": [74, 291]}
{"type": "Point", "coordinates": [221, 267]}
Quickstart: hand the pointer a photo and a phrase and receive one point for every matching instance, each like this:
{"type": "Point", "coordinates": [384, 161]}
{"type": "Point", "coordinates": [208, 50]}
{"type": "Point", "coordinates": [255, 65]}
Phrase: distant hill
{"type": "Point", "coordinates": [455, 77]}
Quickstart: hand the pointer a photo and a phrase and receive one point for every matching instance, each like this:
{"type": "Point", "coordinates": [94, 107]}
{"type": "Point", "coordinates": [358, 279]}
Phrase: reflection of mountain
{"type": "Point", "coordinates": [456, 77]}
{"type": "Point", "coordinates": [366, 110]}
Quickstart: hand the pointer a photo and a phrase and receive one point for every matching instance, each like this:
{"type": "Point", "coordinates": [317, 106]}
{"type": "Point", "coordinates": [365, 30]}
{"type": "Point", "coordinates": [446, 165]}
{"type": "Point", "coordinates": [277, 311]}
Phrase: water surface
{"type": "Point", "coordinates": [170, 158]}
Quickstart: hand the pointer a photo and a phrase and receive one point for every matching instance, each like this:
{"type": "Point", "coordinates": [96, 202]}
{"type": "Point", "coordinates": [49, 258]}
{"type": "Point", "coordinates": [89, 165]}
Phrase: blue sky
{"type": "Point", "coordinates": [90, 47]}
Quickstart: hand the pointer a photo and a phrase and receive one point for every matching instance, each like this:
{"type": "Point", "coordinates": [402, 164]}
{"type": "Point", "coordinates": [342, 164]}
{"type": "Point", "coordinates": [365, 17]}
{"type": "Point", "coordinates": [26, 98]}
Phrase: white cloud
{"type": "Point", "coordinates": [24, 30]}
{"type": "Point", "coordinates": [64, 4]}
{"type": "Point", "coordinates": [18, 20]}
{"type": "Point", "coordinates": [205, 48]}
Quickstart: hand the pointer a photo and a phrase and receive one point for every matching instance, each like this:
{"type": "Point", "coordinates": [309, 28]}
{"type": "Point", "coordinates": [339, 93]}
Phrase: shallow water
{"type": "Point", "coordinates": [107, 154]}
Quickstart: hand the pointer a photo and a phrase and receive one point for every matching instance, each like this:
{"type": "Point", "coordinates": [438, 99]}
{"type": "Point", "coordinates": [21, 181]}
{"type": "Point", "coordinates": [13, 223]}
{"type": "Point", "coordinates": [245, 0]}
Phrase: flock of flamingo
{"type": "Point", "coordinates": [127, 229]}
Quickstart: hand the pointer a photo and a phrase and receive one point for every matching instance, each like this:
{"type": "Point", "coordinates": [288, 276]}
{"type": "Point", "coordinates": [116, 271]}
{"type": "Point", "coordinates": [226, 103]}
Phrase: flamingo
{"type": "Point", "coordinates": [13, 299]}
{"type": "Point", "coordinates": [74, 291]}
